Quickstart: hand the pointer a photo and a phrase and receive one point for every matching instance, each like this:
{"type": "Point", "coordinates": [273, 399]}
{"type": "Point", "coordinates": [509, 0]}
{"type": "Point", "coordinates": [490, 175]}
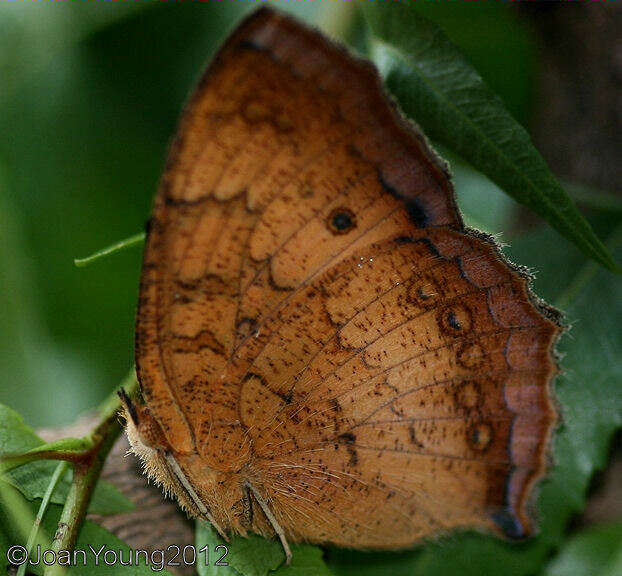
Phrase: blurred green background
{"type": "Point", "coordinates": [89, 97]}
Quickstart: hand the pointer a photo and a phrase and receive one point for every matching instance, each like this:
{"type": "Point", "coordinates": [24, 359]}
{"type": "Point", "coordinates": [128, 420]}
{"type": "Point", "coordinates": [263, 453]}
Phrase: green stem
{"type": "Point", "coordinates": [58, 474]}
{"type": "Point", "coordinates": [58, 450]}
{"type": "Point", "coordinates": [86, 473]}
{"type": "Point", "coordinates": [116, 247]}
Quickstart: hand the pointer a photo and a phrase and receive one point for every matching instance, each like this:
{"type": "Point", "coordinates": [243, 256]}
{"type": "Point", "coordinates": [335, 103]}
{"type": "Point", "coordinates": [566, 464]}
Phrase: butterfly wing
{"type": "Point", "coordinates": [402, 393]}
{"type": "Point", "coordinates": [313, 313]}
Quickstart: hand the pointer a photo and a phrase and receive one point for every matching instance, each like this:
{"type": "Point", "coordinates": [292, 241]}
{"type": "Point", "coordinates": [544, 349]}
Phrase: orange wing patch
{"type": "Point", "coordinates": [319, 340]}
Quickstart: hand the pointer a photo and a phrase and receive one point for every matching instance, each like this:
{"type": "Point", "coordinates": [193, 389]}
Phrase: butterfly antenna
{"type": "Point", "coordinates": [129, 406]}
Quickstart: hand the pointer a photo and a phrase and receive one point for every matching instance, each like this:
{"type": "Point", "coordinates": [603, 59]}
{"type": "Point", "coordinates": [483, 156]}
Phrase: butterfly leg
{"type": "Point", "coordinates": [193, 495]}
{"type": "Point", "coordinates": [248, 507]}
{"type": "Point", "coordinates": [273, 521]}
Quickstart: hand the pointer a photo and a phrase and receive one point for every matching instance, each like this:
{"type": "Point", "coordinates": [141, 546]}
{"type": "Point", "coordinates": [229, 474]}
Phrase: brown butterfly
{"type": "Point", "coordinates": [324, 351]}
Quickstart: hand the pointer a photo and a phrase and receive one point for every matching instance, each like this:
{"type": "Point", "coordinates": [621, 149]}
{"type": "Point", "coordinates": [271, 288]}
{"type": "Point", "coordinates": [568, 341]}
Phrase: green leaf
{"type": "Point", "coordinates": [437, 87]}
{"type": "Point", "coordinates": [15, 434]}
{"type": "Point", "coordinates": [252, 556]}
{"type": "Point", "coordinates": [590, 396]}
{"type": "Point", "coordinates": [205, 536]}
{"type": "Point", "coordinates": [307, 560]}
{"type": "Point", "coordinates": [494, 39]}
{"type": "Point", "coordinates": [33, 478]}
{"type": "Point", "coordinates": [16, 521]}
{"type": "Point", "coordinates": [597, 551]}
{"type": "Point", "coordinates": [256, 556]}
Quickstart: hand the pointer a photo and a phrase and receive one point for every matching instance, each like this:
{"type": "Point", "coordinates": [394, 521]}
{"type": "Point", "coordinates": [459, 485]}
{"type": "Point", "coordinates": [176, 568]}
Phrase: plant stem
{"type": "Point", "coordinates": [116, 247]}
{"type": "Point", "coordinates": [59, 450]}
{"type": "Point", "coordinates": [58, 474]}
{"type": "Point", "coordinates": [86, 472]}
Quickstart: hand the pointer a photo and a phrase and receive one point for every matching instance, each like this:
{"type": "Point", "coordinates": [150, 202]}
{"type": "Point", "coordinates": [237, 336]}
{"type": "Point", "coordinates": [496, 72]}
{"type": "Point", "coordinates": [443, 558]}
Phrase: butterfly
{"type": "Point", "coordinates": [324, 351]}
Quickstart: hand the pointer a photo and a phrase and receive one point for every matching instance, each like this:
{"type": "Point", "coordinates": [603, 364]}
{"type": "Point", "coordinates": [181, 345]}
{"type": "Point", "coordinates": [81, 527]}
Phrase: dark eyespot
{"type": "Point", "coordinates": [480, 436]}
{"type": "Point", "coordinates": [453, 321]}
{"type": "Point", "coordinates": [341, 221]}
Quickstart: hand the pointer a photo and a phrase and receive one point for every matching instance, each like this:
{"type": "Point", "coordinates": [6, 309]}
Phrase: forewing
{"type": "Point", "coordinates": [284, 132]}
